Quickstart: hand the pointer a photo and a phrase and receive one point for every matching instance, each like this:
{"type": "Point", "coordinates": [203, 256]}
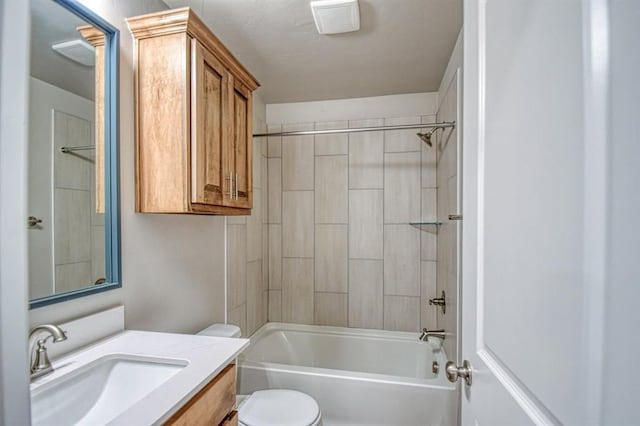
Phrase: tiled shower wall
{"type": "Point", "coordinates": [79, 246]}
{"type": "Point", "coordinates": [341, 250]}
{"type": "Point", "coordinates": [448, 204]}
{"type": "Point", "coordinates": [247, 269]}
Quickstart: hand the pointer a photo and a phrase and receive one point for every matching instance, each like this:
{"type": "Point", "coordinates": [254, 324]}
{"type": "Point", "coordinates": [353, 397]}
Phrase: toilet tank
{"type": "Point", "coordinates": [221, 330]}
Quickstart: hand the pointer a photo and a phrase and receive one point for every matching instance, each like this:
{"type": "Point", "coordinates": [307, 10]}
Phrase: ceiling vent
{"type": "Point", "coordinates": [336, 16]}
{"type": "Point", "coordinates": [77, 50]}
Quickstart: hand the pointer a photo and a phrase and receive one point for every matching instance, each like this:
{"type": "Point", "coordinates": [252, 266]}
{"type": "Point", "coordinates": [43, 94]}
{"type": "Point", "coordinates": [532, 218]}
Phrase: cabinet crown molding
{"type": "Point", "coordinates": [92, 34]}
{"type": "Point", "coordinates": [185, 20]}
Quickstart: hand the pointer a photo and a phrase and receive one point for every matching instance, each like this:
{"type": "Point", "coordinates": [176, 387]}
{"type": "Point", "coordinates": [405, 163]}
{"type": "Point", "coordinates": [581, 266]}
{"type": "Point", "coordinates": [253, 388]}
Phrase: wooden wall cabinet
{"type": "Point", "coordinates": [193, 118]}
{"type": "Point", "coordinates": [213, 405]}
{"type": "Point", "coordinates": [96, 37]}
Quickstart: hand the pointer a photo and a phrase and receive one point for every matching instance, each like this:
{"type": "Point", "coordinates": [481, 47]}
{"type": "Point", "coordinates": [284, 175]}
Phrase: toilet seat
{"type": "Point", "coordinates": [279, 407]}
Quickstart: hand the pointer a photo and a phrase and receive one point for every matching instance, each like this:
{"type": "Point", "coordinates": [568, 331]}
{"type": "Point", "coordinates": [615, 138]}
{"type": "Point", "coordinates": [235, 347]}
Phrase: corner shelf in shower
{"type": "Point", "coordinates": [431, 227]}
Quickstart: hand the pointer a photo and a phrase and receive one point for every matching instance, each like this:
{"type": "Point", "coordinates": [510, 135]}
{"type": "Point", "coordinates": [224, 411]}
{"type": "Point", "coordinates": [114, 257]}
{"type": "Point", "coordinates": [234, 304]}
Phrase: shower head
{"type": "Point", "coordinates": [426, 137]}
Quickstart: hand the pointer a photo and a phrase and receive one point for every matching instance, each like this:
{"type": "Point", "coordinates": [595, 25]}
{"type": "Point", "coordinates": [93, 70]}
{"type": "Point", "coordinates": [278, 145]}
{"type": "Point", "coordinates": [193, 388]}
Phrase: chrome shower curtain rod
{"type": "Point", "coordinates": [443, 125]}
{"type": "Point", "coordinates": [68, 149]}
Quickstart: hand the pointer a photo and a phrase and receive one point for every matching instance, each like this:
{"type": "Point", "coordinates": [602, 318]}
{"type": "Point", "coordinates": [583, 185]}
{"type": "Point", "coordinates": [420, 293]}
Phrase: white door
{"type": "Point", "coordinates": [533, 205]}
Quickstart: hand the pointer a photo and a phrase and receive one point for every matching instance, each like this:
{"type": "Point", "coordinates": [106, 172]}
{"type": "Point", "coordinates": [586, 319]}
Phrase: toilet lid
{"type": "Point", "coordinates": [278, 407]}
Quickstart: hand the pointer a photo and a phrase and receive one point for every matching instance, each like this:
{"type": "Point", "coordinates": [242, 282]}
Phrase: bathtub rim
{"type": "Point", "coordinates": [328, 329]}
{"type": "Point", "coordinates": [439, 382]}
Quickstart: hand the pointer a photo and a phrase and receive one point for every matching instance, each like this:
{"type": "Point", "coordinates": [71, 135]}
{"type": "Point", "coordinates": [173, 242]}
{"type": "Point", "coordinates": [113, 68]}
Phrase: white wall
{"type": "Point", "coordinates": [14, 48]}
{"type": "Point", "coordinates": [455, 63]}
{"type": "Point", "coordinates": [353, 109]}
{"type": "Point", "coordinates": [173, 270]}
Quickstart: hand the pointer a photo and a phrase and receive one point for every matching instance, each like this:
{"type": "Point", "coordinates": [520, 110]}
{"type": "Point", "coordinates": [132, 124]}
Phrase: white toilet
{"type": "Point", "coordinates": [272, 407]}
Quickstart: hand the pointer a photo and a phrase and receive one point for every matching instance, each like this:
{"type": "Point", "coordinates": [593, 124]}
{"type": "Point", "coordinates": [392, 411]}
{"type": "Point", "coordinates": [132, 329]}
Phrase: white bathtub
{"type": "Point", "coordinates": [358, 377]}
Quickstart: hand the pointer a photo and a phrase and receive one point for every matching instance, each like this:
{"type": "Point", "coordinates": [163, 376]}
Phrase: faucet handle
{"type": "Point", "coordinates": [41, 364]}
{"type": "Point", "coordinates": [440, 301]}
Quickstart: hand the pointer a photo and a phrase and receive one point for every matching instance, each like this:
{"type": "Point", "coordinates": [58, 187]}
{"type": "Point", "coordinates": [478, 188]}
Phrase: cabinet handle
{"type": "Point", "coordinates": [230, 186]}
{"type": "Point", "coordinates": [236, 186]}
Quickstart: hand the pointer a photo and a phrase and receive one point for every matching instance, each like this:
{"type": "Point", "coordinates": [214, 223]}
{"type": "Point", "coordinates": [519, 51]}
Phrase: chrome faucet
{"type": "Point", "coordinates": [431, 333]}
{"type": "Point", "coordinates": [39, 363]}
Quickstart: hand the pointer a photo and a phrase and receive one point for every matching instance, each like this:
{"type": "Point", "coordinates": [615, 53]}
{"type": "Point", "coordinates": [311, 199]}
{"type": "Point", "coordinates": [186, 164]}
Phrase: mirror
{"type": "Point", "coordinates": [73, 212]}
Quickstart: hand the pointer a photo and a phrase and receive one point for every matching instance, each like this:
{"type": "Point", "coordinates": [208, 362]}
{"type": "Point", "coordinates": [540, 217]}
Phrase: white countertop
{"type": "Point", "coordinates": [206, 357]}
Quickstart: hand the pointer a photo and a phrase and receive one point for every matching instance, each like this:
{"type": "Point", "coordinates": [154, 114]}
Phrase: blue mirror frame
{"type": "Point", "coordinates": [112, 171]}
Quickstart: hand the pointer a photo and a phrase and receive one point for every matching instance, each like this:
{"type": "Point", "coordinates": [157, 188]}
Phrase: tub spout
{"type": "Point", "coordinates": [431, 333]}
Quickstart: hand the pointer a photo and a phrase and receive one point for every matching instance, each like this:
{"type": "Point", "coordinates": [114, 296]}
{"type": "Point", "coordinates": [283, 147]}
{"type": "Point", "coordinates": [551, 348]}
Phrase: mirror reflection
{"type": "Point", "coordinates": [66, 223]}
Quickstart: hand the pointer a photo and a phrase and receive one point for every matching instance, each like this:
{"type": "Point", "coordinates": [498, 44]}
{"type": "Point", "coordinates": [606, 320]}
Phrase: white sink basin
{"type": "Point", "coordinates": [101, 390]}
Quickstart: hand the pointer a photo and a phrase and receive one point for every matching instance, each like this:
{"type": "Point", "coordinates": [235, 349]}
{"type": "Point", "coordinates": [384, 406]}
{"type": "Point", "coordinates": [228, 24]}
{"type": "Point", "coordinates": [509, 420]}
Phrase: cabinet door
{"type": "Point", "coordinates": [209, 97]}
{"type": "Point", "coordinates": [239, 152]}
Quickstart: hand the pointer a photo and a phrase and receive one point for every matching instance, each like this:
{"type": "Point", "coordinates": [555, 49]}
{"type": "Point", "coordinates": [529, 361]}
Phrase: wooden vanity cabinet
{"type": "Point", "coordinates": [193, 118]}
{"type": "Point", "coordinates": [213, 405]}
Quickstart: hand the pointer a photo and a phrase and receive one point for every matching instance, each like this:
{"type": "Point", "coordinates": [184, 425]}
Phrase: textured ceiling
{"type": "Point", "coordinates": [402, 47]}
{"type": "Point", "coordinates": [50, 24]}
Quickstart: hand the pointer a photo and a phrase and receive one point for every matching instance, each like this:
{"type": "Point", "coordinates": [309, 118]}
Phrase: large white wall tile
{"type": "Point", "coordinates": [238, 316]}
{"type": "Point", "coordinates": [447, 203]}
{"type": "Point", "coordinates": [72, 170]}
{"type": "Point", "coordinates": [365, 224]}
{"type": "Point", "coordinates": [429, 162]}
{"type": "Point", "coordinates": [428, 291]}
{"type": "Point", "coordinates": [297, 224]}
{"type": "Point", "coordinates": [264, 170]}
{"type": "Point", "coordinates": [452, 194]}
{"type": "Point", "coordinates": [402, 313]}
{"type": "Point", "coordinates": [331, 258]}
{"type": "Point", "coordinates": [401, 260]}
{"type": "Point", "coordinates": [274, 186]}
{"type": "Point", "coordinates": [274, 143]}
{"type": "Point", "coordinates": [254, 296]}
{"type": "Point", "coordinates": [428, 246]}
{"type": "Point", "coordinates": [297, 160]}
{"type": "Point", "coordinates": [365, 294]}
{"type": "Point", "coordinates": [401, 187]}
{"type": "Point", "coordinates": [72, 235]}
{"type": "Point", "coordinates": [254, 229]}
{"type": "Point", "coordinates": [297, 291]}
{"type": "Point", "coordinates": [331, 309]}
{"type": "Point", "coordinates": [332, 144]}
{"type": "Point", "coordinates": [366, 156]}
{"type": "Point", "coordinates": [72, 276]}
{"type": "Point", "coordinates": [429, 205]}
{"type": "Point", "coordinates": [97, 219]}
{"type": "Point", "coordinates": [265, 256]}
{"type": "Point", "coordinates": [265, 306]}
{"type": "Point", "coordinates": [275, 305]}
{"type": "Point", "coordinates": [97, 253]}
{"type": "Point", "coordinates": [401, 140]}
{"type": "Point", "coordinates": [257, 163]}
{"type": "Point", "coordinates": [275, 257]}
{"type": "Point", "coordinates": [331, 189]}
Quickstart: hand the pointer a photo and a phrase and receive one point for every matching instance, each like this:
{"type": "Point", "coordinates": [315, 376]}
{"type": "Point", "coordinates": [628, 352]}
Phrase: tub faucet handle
{"type": "Point", "coordinates": [440, 301]}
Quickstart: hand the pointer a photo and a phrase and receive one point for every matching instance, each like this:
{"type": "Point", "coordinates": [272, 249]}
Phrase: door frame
{"type": "Point", "coordinates": [14, 72]}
